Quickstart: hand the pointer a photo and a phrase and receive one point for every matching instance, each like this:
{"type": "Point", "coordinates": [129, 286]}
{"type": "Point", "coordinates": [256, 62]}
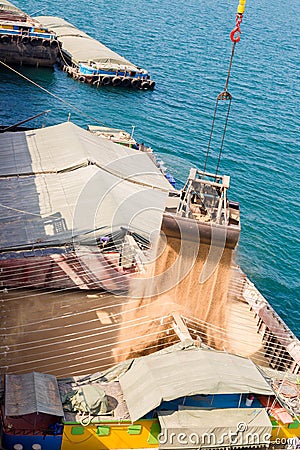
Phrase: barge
{"type": "Point", "coordinates": [89, 61]}
{"type": "Point", "coordinates": [189, 401]}
{"type": "Point", "coordinates": [46, 234]}
{"type": "Point", "coordinates": [23, 40]}
{"type": "Point", "coordinates": [69, 251]}
{"type": "Point", "coordinates": [48, 244]}
{"type": "Point", "coordinates": [193, 396]}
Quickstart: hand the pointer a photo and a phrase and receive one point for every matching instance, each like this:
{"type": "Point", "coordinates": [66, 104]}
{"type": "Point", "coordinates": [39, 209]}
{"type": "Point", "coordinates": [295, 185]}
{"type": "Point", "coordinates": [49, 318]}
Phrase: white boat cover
{"type": "Point", "coordinates": [60, 182]}
{"type": "Point", "coordinates": [81, 47]}
{"type": "Point", "coordinates": [217, 428]}
{"type": "Point", "coordinates": [157, 378]}
{"type": "Point", "coordinates": [7, 6]}
{"type": "Point", "coordinates": [32, 393]}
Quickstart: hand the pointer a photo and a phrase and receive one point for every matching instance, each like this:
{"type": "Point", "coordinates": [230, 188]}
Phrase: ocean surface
{"type": "Point", "coordinates": [186, 48]}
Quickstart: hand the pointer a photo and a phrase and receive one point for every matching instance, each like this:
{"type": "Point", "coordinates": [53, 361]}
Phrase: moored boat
{"type": "Point", "coordinates": [89, 61]}
{"type": "Point", "coordinates": [122, 137]}
{"type": "Point", "coordinates": [188, 401]}
{"type": "Point", "coordinates": [23, 40]}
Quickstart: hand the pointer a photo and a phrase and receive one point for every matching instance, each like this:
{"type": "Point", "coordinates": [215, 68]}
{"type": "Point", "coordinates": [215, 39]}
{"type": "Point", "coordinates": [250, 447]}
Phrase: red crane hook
{"type": "Point", "coordinates": [233, 32]}
{"type": "Point", "coordinates": [237, 29]}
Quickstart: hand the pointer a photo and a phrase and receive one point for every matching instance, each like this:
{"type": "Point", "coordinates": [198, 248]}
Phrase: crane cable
{"type": "Point", "coordinates": [225, 95]}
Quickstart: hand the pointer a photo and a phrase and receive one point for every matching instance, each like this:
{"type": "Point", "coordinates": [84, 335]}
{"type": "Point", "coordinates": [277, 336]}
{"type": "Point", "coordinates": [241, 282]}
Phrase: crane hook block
{"type": "Point", "coordinates": [233, 32]}
{"type": "Point", "coordinates": [241, 7]}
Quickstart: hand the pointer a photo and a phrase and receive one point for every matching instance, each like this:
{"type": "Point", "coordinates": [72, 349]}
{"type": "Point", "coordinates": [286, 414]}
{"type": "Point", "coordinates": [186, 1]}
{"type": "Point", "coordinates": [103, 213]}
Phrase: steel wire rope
{"type": "Point", "coordinates": [66, 341]}
{"type": "Point", "coordinates": [63, 291]}
{"type": "Point", "coordinates": [78, 313]}
{"type": "Point", "coordinates": [117, 278]}
{"type": "Point", "coordinates": [203, 333]}
{"type": "Point", "coordinates": [206, 324]}
{"type": "Point", "coordinates": [47, 367]}
{"type": "Point", "coordinates": [68, 317]}
{"type": "Point", "coordinates": [158, 345]}
{"type": "Point", "coordinates": [110, 274]}
{"type": "Point", "coordinates": [195, 320]}
{"type": "Point", "coordinates": [63, 355]}
{"type": "Point", "coordinates": [258, 354]}
{"type": "Point", "coordinates": [62, 57]}
{"type": "Point", "coordinates": [198, 322]}
{"type": "Point", "coordinates": [47, 264]}
{"type": "Point", "coordinates": [163, 344]}
{"type": "Point", "coordinates": [121, 354]}
{"type": "Point", "coordinates": [233, 340]}
{"type": "Point", "coordinates": [19, 210]}
{"type": "Point", "coordinates": [229, 340]}
{"type": "Point", "coordinates": [281, 359]}
{"type": "Point", "coordinates": [42, 266]}
{"type": "Point", "coordinates": [220, 328]}
{"type": "Point", "coordinates": [102, 359]}
{"type": "Point", "coordinates": [71, 254]}
{"type": "Point", "coordinates": [224, 95]}
{"type": "Point", "coordinates": [70, 257]}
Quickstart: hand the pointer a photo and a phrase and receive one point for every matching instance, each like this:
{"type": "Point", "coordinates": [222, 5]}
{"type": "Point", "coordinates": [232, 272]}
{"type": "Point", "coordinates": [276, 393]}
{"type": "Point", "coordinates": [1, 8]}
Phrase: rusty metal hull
{"type": "Point", "coordinates": [206, 233]}
{"type": "Point", "coordinates": [86, 271]}
{"type": "Point", "coordinates": [18, 53]}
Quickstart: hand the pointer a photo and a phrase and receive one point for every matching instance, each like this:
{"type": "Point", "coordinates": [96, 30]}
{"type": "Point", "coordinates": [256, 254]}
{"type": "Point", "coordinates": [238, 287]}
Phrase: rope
{"type": "Point", "coordinates": [80, 111]}
{"type": "Point", "coordinates": [224, 95]}
{"type": "Point", "coordinates": [62, 57]}
{"type": "Point", "coordinates": [19, 210]}
{"type": "Point", "coordinates": [91, 349]}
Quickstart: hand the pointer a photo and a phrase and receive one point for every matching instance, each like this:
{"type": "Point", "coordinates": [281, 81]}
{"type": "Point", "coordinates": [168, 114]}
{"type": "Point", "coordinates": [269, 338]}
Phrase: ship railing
{"type": "Point", "coordinates": [276, 335]}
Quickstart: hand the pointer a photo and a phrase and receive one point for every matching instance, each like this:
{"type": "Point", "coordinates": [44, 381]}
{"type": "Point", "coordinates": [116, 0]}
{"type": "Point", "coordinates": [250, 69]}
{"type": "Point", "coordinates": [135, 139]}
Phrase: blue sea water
{"type": "Point", "coordinates": [186, 47]}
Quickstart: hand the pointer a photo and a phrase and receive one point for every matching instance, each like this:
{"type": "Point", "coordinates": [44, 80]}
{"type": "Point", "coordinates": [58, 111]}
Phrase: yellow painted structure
{"type": "Point", "coordinates": [282, 431]}
{"type": "Point", "coordinates": [241, 7]}
{"type": "Point", "coordinates": [111, 435]}
{"type": "Point", "coordinates": [140, 435]}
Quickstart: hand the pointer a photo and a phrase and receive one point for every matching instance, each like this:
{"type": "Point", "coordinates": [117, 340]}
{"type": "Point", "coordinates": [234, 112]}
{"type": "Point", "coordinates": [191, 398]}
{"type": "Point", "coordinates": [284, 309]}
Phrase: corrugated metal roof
{"type": "Point", "coordinates": [32, 393]}
{"type": "Point", "coordinates": [156, 378]}
{"type": "Point", "coordinates": [62, 181]}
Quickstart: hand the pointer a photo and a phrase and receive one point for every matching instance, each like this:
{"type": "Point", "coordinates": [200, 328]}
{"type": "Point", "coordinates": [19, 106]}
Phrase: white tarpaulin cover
{"type": "Point", "coordinates": [7, 6]}
{"type": "Point", "coordinates": [32, 393]}
{"type": "Point", "coordinates": [80, 46]}
{"type": "Point", "coordinates": [195, 428]}
{"type": "Point", "coordinates": [4, 4]}
{"type": "Point", "coordinates": [157, 378]}
{"type": "Point", "coordinates": [60, 182]}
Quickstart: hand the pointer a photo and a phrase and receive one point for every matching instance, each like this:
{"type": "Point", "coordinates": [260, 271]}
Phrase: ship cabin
{"type": "Point", "coordinates": [32, 413]}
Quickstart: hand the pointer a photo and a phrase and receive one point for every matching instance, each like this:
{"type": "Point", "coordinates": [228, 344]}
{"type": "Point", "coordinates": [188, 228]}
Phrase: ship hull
{"type": "Point", "coordinates": [64, 271]}
{"type": "Point", "coordinates": [16, 52]}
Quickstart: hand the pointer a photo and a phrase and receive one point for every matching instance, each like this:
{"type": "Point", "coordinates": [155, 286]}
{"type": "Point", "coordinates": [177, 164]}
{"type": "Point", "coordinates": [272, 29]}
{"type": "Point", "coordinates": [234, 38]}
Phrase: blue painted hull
{"type": "Point", "coordinates": [47, 442]}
